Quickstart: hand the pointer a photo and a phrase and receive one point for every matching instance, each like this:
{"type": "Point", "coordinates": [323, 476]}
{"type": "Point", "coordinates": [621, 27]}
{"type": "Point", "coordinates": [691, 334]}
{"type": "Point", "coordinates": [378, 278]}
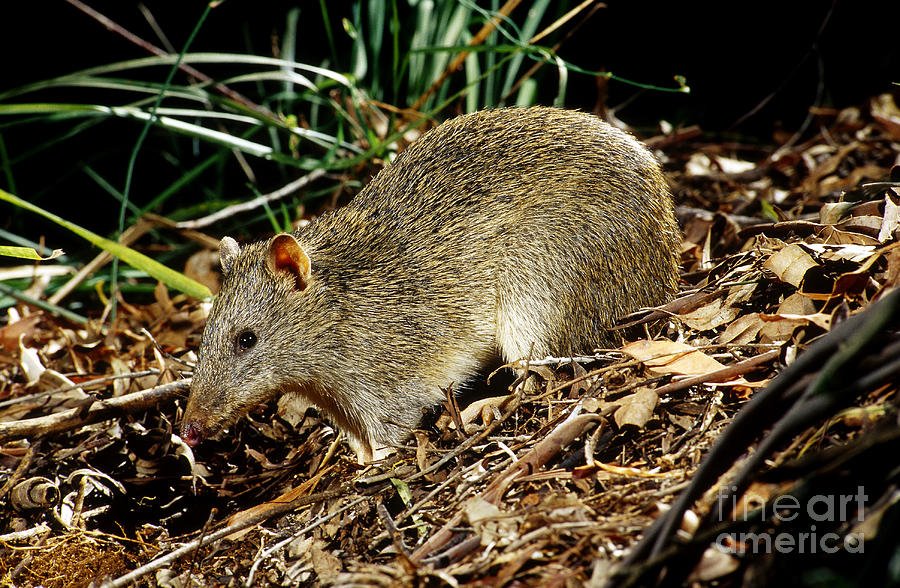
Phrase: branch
{"type": "Point", "coordinates": [99, 410]}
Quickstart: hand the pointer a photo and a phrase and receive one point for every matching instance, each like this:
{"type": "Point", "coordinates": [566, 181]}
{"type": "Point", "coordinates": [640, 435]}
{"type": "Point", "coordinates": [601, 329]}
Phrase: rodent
{"type": "Point", "coordinates": [511, 232]}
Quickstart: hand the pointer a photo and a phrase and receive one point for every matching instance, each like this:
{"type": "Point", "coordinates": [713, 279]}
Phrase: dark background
{"type": "Point", "coordinates": [734, 56]}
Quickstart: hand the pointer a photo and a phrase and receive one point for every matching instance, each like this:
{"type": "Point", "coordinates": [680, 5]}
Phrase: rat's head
{"type": "Point", "coordinates": [255, 339]}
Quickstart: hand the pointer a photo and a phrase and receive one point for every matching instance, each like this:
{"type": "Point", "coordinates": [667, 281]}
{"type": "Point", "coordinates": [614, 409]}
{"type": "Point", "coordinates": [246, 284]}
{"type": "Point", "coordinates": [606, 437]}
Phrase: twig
{"type": "Point", "coordinates": [427, 498]}
{"type": "Point", "coordinates": [291, 495]}
{"type": "Point", "coordinates": [727, 373]}
{"type": "Point", "coordinates": [21, 468]}
{"type": "Point", "coordinates": [468, 443]}
{"type": "Point", "coordinates": [566, 360]}
{"type": "Point", "coordinates": [26, 534]}
{"type": "Point", "coordinates": [397, 538]}
{"type": "Point", "coordinates": [83, 385]}
{"type": "Point", "coordinates": [574, 424]}
{"type": "Point", "coordinates": [460, 490]}
{"type": "Point", "coordinates": [99, 410]}
{"type": "Point", "coordinates": [591, 374]}
{"type": "Point", "coordinates": [255, 203]}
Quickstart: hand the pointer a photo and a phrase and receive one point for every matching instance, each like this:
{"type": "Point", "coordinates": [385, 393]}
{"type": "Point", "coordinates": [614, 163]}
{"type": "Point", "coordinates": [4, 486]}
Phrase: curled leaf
{"type": "Point", "coordinates": [28, 253]}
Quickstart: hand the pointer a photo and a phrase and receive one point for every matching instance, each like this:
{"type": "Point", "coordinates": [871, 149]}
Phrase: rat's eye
{"type": "Point", "coordinates": [246, 340]}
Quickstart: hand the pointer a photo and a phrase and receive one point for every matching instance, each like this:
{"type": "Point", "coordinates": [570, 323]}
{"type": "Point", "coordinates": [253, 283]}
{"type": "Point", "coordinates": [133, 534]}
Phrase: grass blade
{"type": "Point", "coordinates": [133, 258]}
{"type": "Point", "coordinates": [27, 253]}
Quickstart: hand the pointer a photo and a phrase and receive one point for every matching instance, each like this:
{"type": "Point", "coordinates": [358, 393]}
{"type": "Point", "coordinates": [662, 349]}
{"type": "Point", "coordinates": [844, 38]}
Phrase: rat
{"type": "Point", "coordinates": [510, 233]}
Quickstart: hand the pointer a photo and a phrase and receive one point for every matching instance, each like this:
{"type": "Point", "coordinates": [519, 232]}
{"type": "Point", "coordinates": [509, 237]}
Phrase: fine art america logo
{"type": "Point", "coordinates": [819, 508]}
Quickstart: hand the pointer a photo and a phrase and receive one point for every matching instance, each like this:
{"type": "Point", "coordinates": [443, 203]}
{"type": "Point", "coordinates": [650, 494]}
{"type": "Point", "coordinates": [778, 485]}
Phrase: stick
{"type": "Point", "coordinates": [727, 373]}
{"type": "Point", "coordinates": [99, 410]}
{"type": "Point", "coordinates": [256, 202]}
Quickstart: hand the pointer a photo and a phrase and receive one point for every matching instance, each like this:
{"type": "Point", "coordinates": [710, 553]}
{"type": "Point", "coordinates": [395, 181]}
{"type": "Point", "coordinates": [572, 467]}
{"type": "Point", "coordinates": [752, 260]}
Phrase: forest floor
{"type": "Point", "coordinates": [550, 485]}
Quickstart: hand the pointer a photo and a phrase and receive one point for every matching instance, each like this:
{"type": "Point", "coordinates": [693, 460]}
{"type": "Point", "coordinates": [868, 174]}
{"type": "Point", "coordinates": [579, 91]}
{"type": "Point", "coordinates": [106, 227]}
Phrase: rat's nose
{"type": "Point", "coordinates": [191, 433]}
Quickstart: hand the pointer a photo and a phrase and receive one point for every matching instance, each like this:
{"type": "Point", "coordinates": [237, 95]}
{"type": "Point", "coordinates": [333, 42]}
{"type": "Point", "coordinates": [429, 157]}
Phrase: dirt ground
{"type": "Point", "coordinates": [550, 485]}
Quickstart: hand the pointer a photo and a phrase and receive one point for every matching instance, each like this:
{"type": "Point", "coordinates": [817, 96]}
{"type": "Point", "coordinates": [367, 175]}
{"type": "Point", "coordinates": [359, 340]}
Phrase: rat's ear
{"type": "Point", "coordinates": [228, 252]}
{"type": "Point", "coordinates": [286, 254]}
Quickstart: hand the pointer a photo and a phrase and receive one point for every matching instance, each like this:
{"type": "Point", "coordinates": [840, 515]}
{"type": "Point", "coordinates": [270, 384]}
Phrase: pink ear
{"type": "Point", "coordinates": [286, 254]}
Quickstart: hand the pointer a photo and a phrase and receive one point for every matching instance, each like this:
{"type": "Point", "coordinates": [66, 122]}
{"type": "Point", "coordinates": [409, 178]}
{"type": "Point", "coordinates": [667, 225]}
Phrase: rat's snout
{"type": "Point", "coordinates": [192, 433]}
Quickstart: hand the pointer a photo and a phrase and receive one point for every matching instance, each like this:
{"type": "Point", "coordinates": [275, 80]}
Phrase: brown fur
{"type": "Point", "coordinates": [495, 232]}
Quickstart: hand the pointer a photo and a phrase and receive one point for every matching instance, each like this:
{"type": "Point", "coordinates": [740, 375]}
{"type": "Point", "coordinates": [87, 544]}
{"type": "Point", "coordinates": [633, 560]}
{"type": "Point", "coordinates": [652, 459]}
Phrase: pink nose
{"type": "Point", "coordinates": [191, 434]}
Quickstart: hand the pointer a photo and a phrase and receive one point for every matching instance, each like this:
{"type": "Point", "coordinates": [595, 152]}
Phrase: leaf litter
{"type": "Point", "coordinates": [553, 484]}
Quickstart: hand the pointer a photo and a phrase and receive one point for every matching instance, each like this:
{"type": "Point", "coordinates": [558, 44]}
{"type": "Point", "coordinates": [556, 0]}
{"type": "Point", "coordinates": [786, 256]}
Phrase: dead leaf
{"type": "Point", "coordinates": [741, 331]}
{"type": "Point", "coordinates": [30, 362]}
{"type": "Point", "coordinates": [201, 266]}
{"type": "Point", "coordinates": [891, 221]}
{"type": "Point", "coordinates": [312, 551]}
{"type": "Point", "coordinates": [636, 409]}
{"type": "Point", "coordinates": [832, 213]}
{"type": "Point", "coordinates": [865, 225]}
{"type": "Point", "coordinates": [709, 316]}
{"type": "Point", "coordinates": [847, 252]}
{"type": "Point", "coordinates": [819, 319]}
{"type": "Point", "coordinates": [779, 331]}
{"type": "Point", "coordinates": [790, 264]}
{"type": "Point", "coordinates": [885, 111]}
{"type": "Point", "coordinates": [591, 404]}
{"type": "Point", "coordinates": [821, 283]}
{"type": "Point", "coordinates": [18, 327]}
{"type": "Point", "coordinates": [714, 563]}
{"type": "Point", "coordinates": [796, 304]}
{"type": "Point", "coordinates": [161, 293]}
{"type": "Point", "coordinates": [489, 522]}
{"type": "Point", "coordinates": [664, 357]}
{"type": "Point", "coordinates": [292, 408]}
{"type": "Point", "coordinates": [826, 167]}
{"type": "Point", "coordinates": [834, 236]}
{"type": "Point", "coordinates": [486, 408]}
{"type": "Point", "coordinates": [892, 273]}
{"type": "Point", "coordinates": [701, 164]}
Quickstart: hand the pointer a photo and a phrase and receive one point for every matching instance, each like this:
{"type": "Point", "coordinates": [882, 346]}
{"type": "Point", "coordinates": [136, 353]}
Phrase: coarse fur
{"type": "Point", "coordinates": [506, 232]}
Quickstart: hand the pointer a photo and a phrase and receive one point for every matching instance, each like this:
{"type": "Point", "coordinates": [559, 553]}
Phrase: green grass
{"type": "Point", "coordinates": [382, 72]}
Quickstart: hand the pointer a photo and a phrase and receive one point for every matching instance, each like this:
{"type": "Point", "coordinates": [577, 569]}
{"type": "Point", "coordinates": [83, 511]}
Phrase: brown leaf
{"type": "Point", "coordinates": [486, 408]}
{"type": "Point", "coordinates": [891, 221]}
{"type": "Point", "coordinates": [636, 409]}
{"type": "Point", "coordinates": [821, 319]}
{"type": "Point", "coordinates": [24, 327]}
{"type": "Point", "coordinates": [791, 264]}
{"type": "Point", "coordinates": [714, 564]}
{"type": "Point", "coordinates": [742, 331]}
{"type": "Point", "coordinates": [832, 213]}
{"type": "Point", "coordinates": [711, 315]}
{"type": "Point", "coordinates": [782, 330]}
{"type": "Point", "coordinates": [314, 551]}
{"type": "Point", "coordinates": [667, 357]}
{"type": "Point", "coordinates": [201, 267]}
{"type": "Point", "coordinates": [885, 111]}
{"type": "Point", "coordinates": [161, 293]}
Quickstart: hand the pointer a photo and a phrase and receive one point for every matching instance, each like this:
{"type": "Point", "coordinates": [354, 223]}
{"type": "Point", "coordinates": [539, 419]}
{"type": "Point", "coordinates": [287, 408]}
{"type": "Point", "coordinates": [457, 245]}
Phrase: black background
{"type": "Point", "coordinates": [733, 54]}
